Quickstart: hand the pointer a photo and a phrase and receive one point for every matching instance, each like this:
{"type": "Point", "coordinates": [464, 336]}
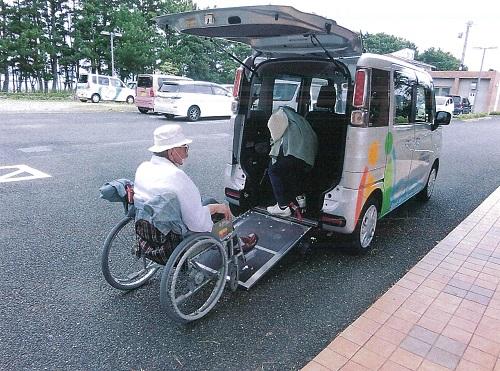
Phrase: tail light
{"type": "Point", "coordinates": [360, 116]}
{"type": "Point", "coordinates": [232, 193]}
{"type": "Point", "coordinates": [237, 81]}
{"type": "Point", "coordinates": [360, 85]}
{"type": "Point", "coordinates": [152, 92]}
{"type": "Point", "coordinates": [333, 220]}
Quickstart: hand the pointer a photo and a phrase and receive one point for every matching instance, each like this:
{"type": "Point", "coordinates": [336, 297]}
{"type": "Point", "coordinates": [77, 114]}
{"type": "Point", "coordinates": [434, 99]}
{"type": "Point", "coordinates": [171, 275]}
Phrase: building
{"type": "Point", "coordinates": [484, 98]}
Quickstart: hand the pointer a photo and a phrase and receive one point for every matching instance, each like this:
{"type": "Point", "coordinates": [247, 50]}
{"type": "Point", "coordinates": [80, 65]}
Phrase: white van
{"type": "Point", "coordinates": [100, 87]}
{"type": "Point", "coordinates": [378, 131]}
{"type": "Point", "coordinates": [148, 85]}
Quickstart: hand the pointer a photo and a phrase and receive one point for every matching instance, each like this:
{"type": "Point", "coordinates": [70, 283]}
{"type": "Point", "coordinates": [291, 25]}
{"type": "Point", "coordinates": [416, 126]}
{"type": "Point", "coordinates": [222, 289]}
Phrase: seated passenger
{"type": "Point", "coordinates": [294, 146]}
{"type": "Point", "coordinates": [160, 185]}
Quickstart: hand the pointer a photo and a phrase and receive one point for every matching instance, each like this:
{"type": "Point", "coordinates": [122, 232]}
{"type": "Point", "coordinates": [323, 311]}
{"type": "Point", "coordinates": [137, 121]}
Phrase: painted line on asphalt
{"type": "Point", "coordinates": [18, 173]}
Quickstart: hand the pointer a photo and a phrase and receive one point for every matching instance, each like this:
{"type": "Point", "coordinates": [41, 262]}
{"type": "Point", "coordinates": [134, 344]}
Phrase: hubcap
{"type": "Point", "coordinates": [368, 225]}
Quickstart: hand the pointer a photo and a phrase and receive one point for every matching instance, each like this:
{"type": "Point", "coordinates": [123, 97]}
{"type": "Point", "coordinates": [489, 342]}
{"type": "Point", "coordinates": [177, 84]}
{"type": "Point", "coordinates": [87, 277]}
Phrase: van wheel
{"type": "Point", "coordinates": [143, 110]}
{"type": "Point", "coordinates": [365, 228]}
{"type": "Point", "coordinates": [130, 99]}
{"type": "Point", "coordinates": [193, 113]}
{"type": "Point", "coordinates": [426, 193]}
{"type": "Point", "coordinates": [96, 98]}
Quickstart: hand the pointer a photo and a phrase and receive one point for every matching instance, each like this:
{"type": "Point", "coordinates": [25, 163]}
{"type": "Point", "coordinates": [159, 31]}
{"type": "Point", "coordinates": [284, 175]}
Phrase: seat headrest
{"type": "Point", "coordinates": [327, 97]}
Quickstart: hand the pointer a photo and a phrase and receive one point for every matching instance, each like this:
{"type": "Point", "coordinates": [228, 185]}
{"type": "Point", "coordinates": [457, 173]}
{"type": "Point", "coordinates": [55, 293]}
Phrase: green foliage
{"type": "Point", "coordinates": [443, 61]}
{"type": "Point", "coordinates": [382, 43]}
{"type": "Point", "coordinates": [470, 116]}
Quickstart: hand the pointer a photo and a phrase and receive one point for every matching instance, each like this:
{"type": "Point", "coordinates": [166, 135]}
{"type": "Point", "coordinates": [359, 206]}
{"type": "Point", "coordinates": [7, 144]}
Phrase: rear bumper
{"type": "Point", "coordinates": [144, 102]}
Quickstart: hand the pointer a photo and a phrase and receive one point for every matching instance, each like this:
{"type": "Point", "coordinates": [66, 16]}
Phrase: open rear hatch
{"type": "Point", "coordinates": [275, 31]}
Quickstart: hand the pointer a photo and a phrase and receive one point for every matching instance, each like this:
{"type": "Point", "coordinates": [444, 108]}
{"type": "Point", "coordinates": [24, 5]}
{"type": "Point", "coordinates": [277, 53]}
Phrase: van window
{"type": "Point", "coordinates": [161, 80]}
{"type": "Point", "coordinates": [169, 88]}
{"type": "Point", "coordinates": [219, 91]}
{"type": "Point", "coordinates": [379, 98]}
{"type": "Point", "coordinates": [103, 80]}
{"type": "Point", "coordinates": [94, 79]}
{"type": "Point", "coordinates": [83, 79]}
{"type": "Point", "coordinates": [284, 91]}
{"type": "Point", "coordinates": [402, 91]}
{"type": "Point", "coordinates": [421, 113]}
{"type": "Point", "coordinates": [145, 82]}
{"type": "Point", "coordinates": [116, 83]}
{"type": "Point", "coordinates": [203, 89]}
{"type": "Point", "coordinates": [188, 88]}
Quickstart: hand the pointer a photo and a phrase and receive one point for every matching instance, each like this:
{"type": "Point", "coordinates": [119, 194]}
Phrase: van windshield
{"type": "Point", "coordinates": [145, 81]}
{"type": "Point", "coordinates": [83, 79]}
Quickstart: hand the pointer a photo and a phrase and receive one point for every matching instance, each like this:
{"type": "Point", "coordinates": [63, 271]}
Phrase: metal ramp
{"type": "Point", "coordinates": [276, 237]}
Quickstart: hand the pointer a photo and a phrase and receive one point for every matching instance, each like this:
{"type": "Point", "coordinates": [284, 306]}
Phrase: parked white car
{"type": "Point", "coordinates": [445, 104]}
{"type": "Point", "coordinates": [101, 87]}
{"type": "Point", "coordinates": [193, 99]}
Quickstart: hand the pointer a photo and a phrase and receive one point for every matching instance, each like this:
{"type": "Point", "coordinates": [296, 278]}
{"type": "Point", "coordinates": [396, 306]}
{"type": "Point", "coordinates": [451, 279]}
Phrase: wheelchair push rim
{"type": "Point", "coordinates": [194, 278]}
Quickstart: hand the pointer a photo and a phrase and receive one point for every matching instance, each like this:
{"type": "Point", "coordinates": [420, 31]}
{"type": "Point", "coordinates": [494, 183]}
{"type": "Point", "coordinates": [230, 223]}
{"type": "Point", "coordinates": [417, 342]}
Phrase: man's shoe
{"type": "Point", "coordinates": [277, 210]}
{"type": "Point", "coordinates": [248, 242]}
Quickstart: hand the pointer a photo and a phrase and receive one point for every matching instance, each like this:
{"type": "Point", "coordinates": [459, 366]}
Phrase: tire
{"type": "Point", "coordinates": [362, 236]}
{"type": "Point", "coordinates": [130, 99]}
{"type": "Point", "coordinates": [425, 194]}
{"type": "Point", "coordinates": [193, 113]}
{"type": "Point", "coordinates": [96, 98]}
{"type": "Point", "coordinates": [142, 110]}
{"type": "Point", "coordinates": [188, 289]}
{"type": "Point", "coordinates": [83, 100]}
{"type": "Point", "coordinates": [121, 267]}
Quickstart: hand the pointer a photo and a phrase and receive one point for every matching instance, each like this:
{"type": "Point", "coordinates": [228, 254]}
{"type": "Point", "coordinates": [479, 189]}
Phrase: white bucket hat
{"type": "Point", "coordinates": [167, 137]}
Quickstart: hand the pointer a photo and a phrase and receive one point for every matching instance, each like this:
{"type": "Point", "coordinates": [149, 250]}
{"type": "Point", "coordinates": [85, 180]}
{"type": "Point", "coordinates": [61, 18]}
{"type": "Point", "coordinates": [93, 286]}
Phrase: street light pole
{"type": "Point", "coordinates": [112, 34]}
{"type": "Point", "coordinates": [468, 24]}
{"type": "Point", "coordinates": [479, 77]}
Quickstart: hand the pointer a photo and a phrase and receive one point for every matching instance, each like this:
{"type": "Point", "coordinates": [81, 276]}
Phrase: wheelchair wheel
{"type": "Point", "coordinates": [121, 267]}
{"type": "Point", "coordinates": [194, 278]}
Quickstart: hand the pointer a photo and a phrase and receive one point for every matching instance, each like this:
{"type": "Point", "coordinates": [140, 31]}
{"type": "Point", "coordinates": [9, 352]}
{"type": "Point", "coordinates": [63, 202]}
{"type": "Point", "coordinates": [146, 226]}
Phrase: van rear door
{"type": "Point", "coordinates": [273, 30]}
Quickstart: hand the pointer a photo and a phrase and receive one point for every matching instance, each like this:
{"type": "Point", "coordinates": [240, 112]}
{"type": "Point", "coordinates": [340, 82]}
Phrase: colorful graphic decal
{"type": "Point", "coordinates": [367, 186]}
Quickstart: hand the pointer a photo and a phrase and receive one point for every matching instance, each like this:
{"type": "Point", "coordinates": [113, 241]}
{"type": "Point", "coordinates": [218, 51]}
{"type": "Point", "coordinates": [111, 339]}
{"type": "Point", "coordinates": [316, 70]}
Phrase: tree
{"type": "Point", "coordinates": [382, 43]}
{"type": "Point", "coordinates": [443, 61]}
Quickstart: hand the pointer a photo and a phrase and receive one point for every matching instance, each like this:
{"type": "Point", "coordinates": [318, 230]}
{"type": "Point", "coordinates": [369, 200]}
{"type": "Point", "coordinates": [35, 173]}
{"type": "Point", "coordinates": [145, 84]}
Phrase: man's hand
{"type": "Point", "coordinates": [221, 209]}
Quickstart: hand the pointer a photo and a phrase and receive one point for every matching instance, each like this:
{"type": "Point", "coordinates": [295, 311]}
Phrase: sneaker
{"type": "Point", "coordinates": [277, 210]}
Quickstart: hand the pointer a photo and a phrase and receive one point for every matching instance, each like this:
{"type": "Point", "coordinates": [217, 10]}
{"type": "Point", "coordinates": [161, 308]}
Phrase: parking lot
{"type": "Point", "coordinates": [57, 312]}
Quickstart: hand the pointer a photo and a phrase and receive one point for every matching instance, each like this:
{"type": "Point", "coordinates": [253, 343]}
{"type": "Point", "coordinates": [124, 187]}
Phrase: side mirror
{"type": "Point", "coordinates": [442, 118]}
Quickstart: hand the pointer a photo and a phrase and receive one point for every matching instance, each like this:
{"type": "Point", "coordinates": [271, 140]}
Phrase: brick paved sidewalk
{"type": "Point", "coordinates": [443, 314]}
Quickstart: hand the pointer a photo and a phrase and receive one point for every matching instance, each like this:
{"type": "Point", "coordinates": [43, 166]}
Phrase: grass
{"type": "Point", "coordinates": [60, 96]}
{"type": "Point", "coordinates": [470, 116]}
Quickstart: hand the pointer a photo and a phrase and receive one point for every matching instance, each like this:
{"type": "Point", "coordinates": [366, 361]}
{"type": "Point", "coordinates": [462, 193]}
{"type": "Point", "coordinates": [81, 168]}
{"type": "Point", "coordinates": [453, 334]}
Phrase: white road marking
{"type": "Point", "coordinates": [13, 176]}
{"type": "Point", "coordinates": [35, 149]}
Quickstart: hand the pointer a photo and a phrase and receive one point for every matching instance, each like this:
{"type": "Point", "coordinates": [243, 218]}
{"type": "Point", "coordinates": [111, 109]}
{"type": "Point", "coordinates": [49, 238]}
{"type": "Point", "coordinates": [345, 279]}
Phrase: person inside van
{"type": "Point", "coordinates": [168, 203]}
{"type": "Point", "coordinates": [294, 146]}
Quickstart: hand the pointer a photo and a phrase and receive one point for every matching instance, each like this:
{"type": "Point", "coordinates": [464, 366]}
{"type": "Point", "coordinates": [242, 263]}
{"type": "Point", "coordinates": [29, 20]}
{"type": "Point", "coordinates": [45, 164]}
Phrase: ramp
{"type": "Point", "coordinates": [276, 237]}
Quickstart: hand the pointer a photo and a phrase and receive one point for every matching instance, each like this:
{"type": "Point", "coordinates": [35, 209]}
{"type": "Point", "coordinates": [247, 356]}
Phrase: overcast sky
{"type": "Point", "coordinates": [427, 23]}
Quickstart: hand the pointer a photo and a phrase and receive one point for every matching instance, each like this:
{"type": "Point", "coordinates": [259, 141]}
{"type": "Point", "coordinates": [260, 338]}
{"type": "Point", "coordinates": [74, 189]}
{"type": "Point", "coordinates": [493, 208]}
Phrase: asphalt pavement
{"type": "Point", "coordinates": [58, 313]}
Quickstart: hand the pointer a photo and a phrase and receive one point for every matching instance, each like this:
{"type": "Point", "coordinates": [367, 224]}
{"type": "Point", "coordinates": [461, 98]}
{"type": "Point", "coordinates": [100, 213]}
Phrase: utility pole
{"type": "Point", "coordinates": [468, 24]}
{"type": "Point", "coordinates": [112, 34]}
{"type": "Point", "coordinates": [479, 77]}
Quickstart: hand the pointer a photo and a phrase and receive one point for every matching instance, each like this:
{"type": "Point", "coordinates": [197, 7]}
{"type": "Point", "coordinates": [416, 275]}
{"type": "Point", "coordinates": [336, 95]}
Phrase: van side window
{"type": "Point", "coordinates": [421, 113]}
{"type": "Point", "coordinates": [94, 79]}
{"type": "Point", "coordinates": [116, 83]}
{"type": "Point", "coordinates": [187, 88]}
{"type": "Point", "coordinates": [103, 80]}
{"type": "Point", "coordinates": [219, 91]}
{"type": "Point", "coordinates": [379, 98]}
{"type": "Point", "coordinates": [203, 89]}
{"type": "Point", "coordinates": [402, 92]}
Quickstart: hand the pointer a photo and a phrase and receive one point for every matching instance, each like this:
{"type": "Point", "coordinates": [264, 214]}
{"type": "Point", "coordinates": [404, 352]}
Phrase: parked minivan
{"type": "Point", "coordinates": [445, 103]}
{"type": "Point", "coordinates": [379, 136]}
{"type": "Point", "coordinates": [148, 85]}
{"type": "Point", "coordinates": [193, 99]}
{"type": "Point", "coordinates": [100, 87]}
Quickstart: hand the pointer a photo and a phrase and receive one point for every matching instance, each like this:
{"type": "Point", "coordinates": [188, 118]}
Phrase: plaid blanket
{"type": "Point", "coordinates": [153, 244]}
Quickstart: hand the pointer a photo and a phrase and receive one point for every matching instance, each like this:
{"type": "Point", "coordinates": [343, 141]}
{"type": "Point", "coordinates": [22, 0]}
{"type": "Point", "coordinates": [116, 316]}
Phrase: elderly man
{"type": "Point", "coordinates": [162, 183]}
